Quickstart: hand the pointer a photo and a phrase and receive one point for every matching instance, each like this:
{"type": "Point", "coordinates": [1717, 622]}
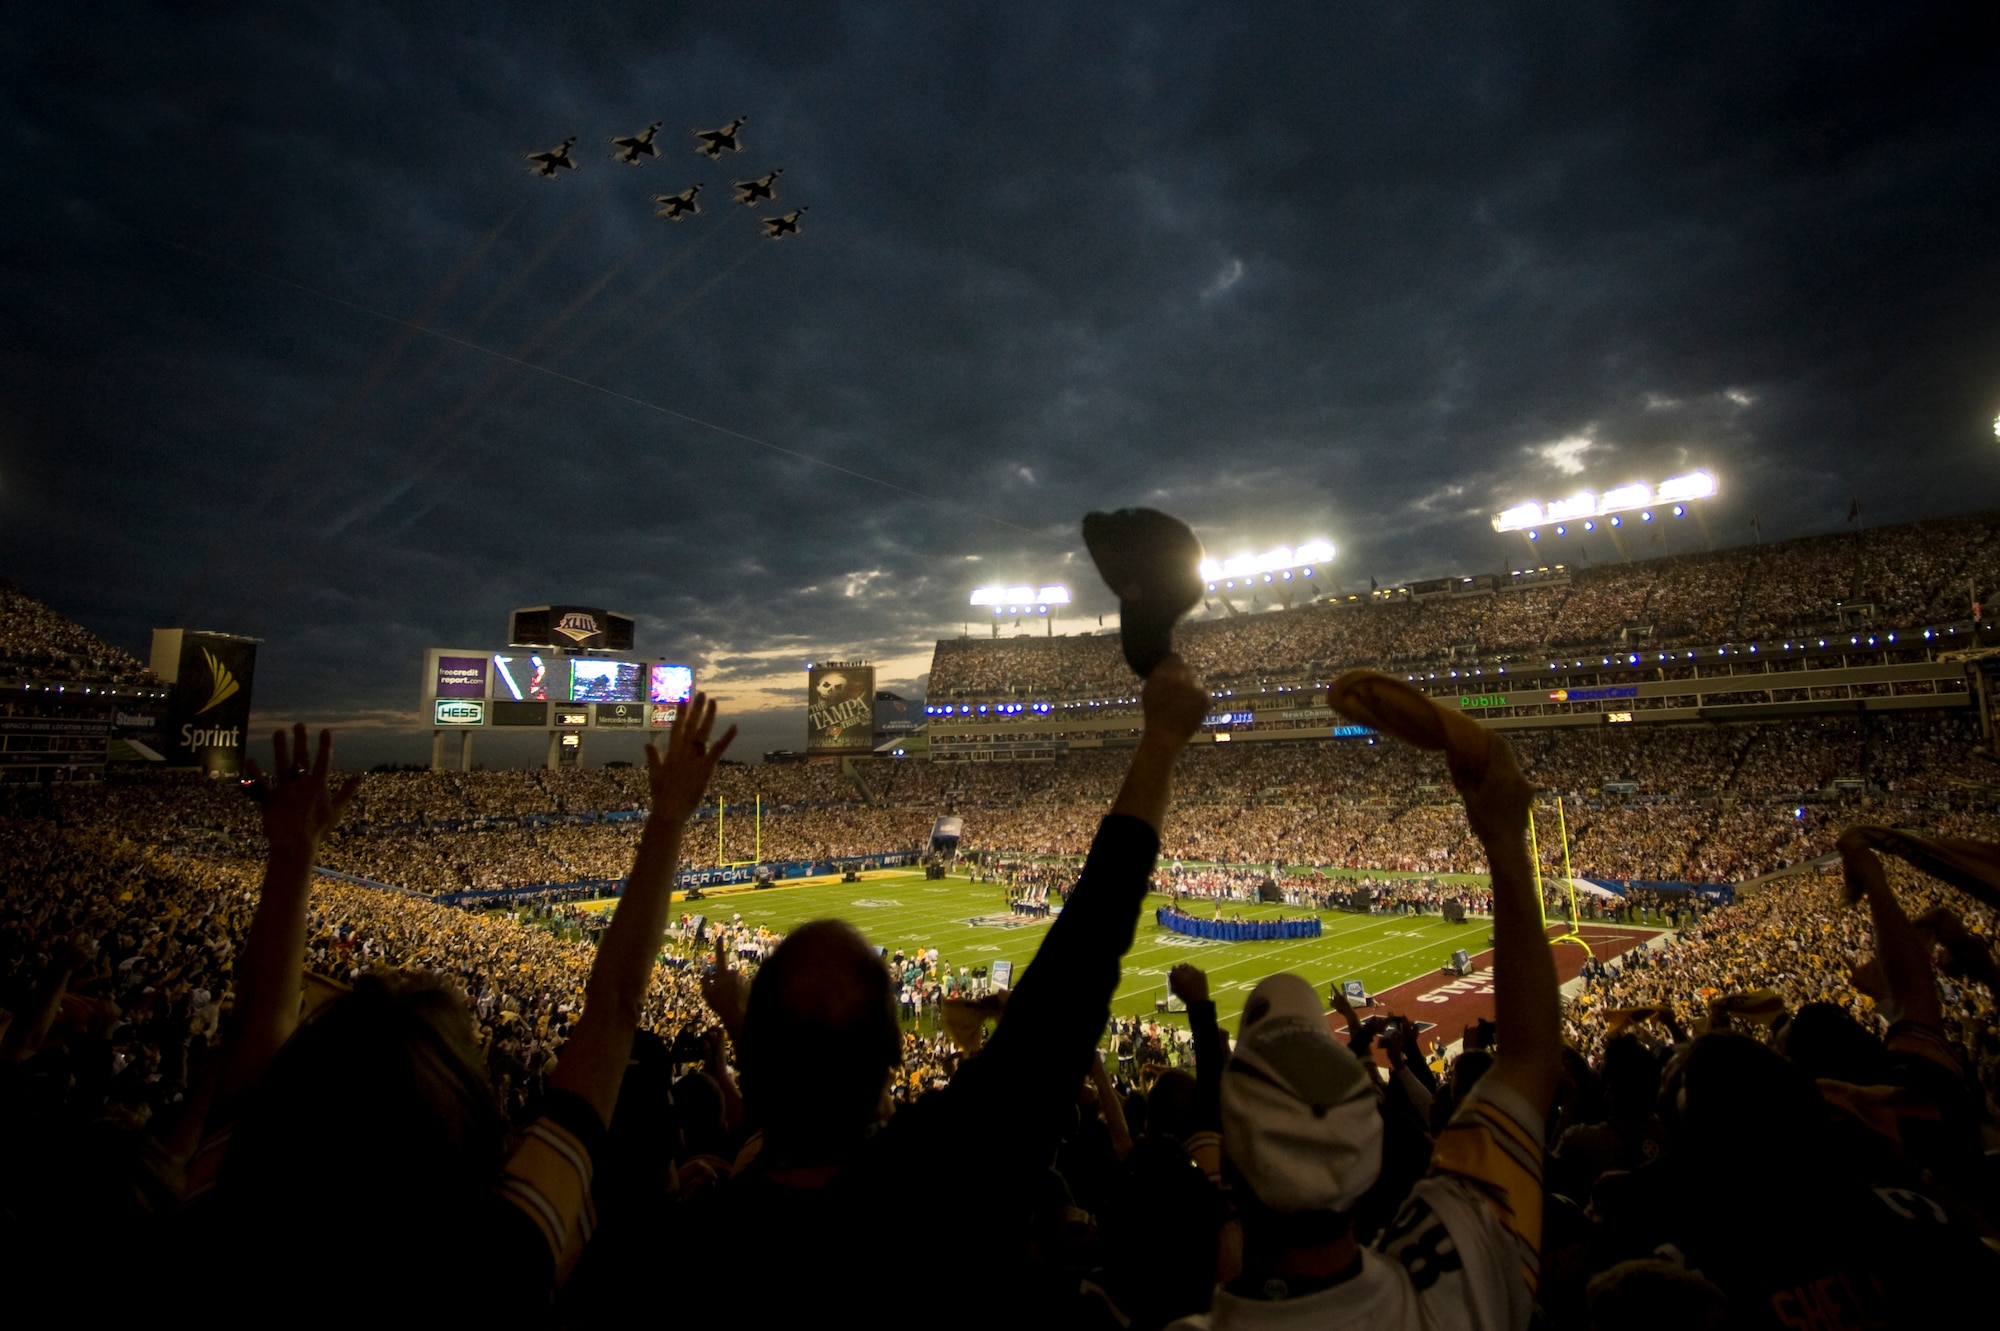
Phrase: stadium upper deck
{"type": "Point", "coordinates": [63, 694]}
{"type": "Point", "coordinates": [36, 641]}
{"type": "Point", "coordinates": [1892, 578]}
{"type": "Point", "coordinates": [1872, 614]}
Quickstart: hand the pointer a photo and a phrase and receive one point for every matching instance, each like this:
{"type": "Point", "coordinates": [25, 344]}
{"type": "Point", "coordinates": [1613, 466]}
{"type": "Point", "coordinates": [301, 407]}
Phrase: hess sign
{"type": "Point", "coordinates": [459, 712]}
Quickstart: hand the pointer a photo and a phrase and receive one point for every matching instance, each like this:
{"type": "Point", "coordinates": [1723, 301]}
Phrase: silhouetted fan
{"type": "Point", "coordinates": [715, 142]}
{"type": "Point", "coordinates": [673, 207]}
{"type": "Point", "coordinates": [1153, 562]}
{"type": "Point", "coordinates": [763, 187]}
{"type": "Point", "coordinates": [634, 146]}
{"type": "Point", "coordinates": [546, 163]}
{"type": "Point", "coordinates": [779, 227]}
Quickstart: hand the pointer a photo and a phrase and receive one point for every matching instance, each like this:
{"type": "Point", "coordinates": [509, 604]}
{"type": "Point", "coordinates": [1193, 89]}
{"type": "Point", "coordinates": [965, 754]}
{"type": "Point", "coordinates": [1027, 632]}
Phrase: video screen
{"type": "Point", "coordinates": [520, 678]}
{"type": "Point", "coordinates": [670, 683]}
{"type": "Point", "coordinates": [604, 681]}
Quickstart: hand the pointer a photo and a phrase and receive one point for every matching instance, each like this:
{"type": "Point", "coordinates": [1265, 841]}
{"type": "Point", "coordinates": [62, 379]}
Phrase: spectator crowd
{"type": "Point", "coordinates": [230, 1084]}
{"type": "Point", "coordinates": [210, 1057]}
{"type": "Point", "coordinates": [1907, 576]}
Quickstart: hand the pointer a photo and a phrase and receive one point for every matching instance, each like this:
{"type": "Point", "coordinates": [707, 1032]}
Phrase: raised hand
{"type": "Point", "coordinates": [679, 777]}
{"type": "Point", "coordinates": [726, 992]}
{"type": "Point", "coordinates": [1188, 982]}
{"type": "Point", "coordinates": [1497, 799]}
{"type": "Point", "coordinates": [1393, 1037]}
{"type": "Point", "coordinates": [1965, 956]}
{"type": "Point", "coordinates": [298, 807]}
{"type": "Point", "coordinates": [1173, 700]}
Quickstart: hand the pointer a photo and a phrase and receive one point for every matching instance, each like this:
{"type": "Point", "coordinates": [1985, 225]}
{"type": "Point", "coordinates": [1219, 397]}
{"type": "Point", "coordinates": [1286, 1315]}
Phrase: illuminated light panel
{"type": "Point", "coordinates": [1585, 504]}
{"type": "Point", "coordinates": [1053, 594]}
{"type": "Point", "coordinates": [1271, 561]}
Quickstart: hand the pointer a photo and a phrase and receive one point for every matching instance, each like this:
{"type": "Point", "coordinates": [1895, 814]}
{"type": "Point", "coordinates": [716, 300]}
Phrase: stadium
{"type": "Point", "coordinates": [1708, 724]}
{"type": "Point", "coordinates": [1092, 667]}
{"type": "Point", "coordinates": [1699, 730]}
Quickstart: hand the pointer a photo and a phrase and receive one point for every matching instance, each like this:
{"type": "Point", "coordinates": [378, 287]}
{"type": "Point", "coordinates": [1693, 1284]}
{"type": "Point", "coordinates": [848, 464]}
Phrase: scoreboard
{"type": "Point", "coordinates": [542, 689]}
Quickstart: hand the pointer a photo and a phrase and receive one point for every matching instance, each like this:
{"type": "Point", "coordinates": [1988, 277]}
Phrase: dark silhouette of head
{"type": "Point", "coordinates": [379, 1106]}
{"type": "Point", "coordinates": [819, 1043]}
{"type": "Point", "coordinates": [1823, 1041]}
{"type": "Point", "coordinates": [1175, 1106]}
{"type": "Point", "coordinates": [1631, 1078]}
{"type": "Point", "coordinates": [1748, 1110]}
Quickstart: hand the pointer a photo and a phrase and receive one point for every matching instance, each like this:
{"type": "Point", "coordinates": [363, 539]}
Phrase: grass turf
{"type": "Point", "coordinates": [897, 909]}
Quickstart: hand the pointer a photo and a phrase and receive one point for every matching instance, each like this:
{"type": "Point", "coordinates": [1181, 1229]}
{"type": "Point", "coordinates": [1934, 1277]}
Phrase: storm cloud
{"type": "Point", "coordinates": [296, 345]}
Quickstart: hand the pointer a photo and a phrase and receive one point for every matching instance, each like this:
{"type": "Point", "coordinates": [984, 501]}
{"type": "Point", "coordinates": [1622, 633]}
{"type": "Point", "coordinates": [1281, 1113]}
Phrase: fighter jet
{"type": "Point", "coordinates": [546, 163]}
{"type": "Point", "coordinates": [779, 227]}
{"type": "Point", "coordinates": [675, 206]}
{"type": "Point", "coordinates": [763, 187]}
{"type": "Point", "coordinates": [715, 142]}
{"type": "Point", "coordinates": [632, 147]}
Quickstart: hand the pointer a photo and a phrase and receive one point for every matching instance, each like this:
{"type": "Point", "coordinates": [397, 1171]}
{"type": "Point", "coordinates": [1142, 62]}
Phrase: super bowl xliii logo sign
{"type": "Point", "coordinates": [836, 706]}
{"type": "Point", "coordinates": [577, 626]}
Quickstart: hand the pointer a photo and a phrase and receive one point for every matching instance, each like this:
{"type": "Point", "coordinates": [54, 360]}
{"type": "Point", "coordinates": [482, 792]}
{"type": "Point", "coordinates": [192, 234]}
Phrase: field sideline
{"type": "Point", "coordinates": [899, 909]}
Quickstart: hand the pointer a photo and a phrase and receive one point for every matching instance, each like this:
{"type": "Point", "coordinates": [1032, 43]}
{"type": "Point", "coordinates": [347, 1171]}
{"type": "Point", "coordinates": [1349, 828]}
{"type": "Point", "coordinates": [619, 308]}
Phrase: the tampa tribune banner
{"type": "Point", "coordinates": [840, 708]}
{"type": "Point", "coordinates": [208, 719]}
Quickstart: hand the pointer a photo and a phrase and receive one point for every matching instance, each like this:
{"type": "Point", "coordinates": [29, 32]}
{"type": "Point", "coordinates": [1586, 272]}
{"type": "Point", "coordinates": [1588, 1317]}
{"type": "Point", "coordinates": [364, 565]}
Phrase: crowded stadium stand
{"type": "Point", "coordinates": [1777, 696]}
{"type": "Point", "coordinates": [1871, 620]}
{"type": "Point", "coordinates": [69, 701]}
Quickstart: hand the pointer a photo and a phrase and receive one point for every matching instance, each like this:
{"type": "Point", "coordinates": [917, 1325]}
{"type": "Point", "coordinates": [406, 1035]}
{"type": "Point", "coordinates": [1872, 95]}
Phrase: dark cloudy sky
{"type": "Point", "coordinates": [1356, 271]}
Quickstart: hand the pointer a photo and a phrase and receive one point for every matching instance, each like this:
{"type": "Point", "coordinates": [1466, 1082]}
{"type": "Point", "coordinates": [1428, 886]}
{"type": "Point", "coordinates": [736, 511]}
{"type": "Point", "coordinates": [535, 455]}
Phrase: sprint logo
{"type": "Point", "coordinates": [223, 684]}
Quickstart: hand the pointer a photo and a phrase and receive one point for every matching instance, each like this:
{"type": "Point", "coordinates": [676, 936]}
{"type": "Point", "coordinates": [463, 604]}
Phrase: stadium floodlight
{"type": "Point", "coordinates": [1053, 594]}
{"type": "Point", "coordinates": [1585, 505]}
{"type": "Point", "coordinates": [1275, 560]}
{"type": "Point", "coordinates": [1694, 485]}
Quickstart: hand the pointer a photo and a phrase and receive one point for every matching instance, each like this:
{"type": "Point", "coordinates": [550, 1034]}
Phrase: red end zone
{"type": "Point", "coordinates": [1443, 1005]}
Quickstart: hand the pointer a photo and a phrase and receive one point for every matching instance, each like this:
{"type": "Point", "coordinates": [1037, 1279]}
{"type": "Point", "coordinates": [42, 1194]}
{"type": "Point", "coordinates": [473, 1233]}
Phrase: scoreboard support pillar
{"type": "Point", "coordinates": [464, 760]}
{"type": "Point", "coordinates": [565, 749]}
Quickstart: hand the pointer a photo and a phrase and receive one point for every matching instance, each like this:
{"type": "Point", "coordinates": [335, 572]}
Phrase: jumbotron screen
{"type": "Point", "coordinates": [670, 683]}
{"type": "Point", "coordinates": [604, 681]}
{"type": "Point", "coordinates": [520, 677]}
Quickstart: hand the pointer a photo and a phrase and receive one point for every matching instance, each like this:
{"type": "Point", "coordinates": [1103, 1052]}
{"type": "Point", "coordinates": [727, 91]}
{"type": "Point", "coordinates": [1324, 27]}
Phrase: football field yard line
{"type": "Point", "coordinates": [1382, 951]}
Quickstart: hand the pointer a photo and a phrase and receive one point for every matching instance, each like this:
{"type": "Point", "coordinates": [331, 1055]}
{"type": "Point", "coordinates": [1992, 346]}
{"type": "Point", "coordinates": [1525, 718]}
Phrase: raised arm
{"type": "Point", "coordinates": [22, 1038]}
{"type": "Point", "coordinates": [1902, 950]}
{"type": "Point", "coordinates": [1054, 1015]}
{"type": "Point", "coordinates": [1525, 996]}
{"type": "Point", "coordinates": [593, 1060]}
{"type": "Point", "coordinates": [299, 810]}
{"type": "Point", "coordinates": [1190, 984]}
{"type": "Point", "coordinates": [1111, 1105]}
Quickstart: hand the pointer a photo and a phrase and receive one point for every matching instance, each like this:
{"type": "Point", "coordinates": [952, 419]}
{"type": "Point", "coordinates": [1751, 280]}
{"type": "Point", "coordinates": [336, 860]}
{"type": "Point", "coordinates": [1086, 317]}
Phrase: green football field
{"type": "Point", "coordinates": [969, 925]}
